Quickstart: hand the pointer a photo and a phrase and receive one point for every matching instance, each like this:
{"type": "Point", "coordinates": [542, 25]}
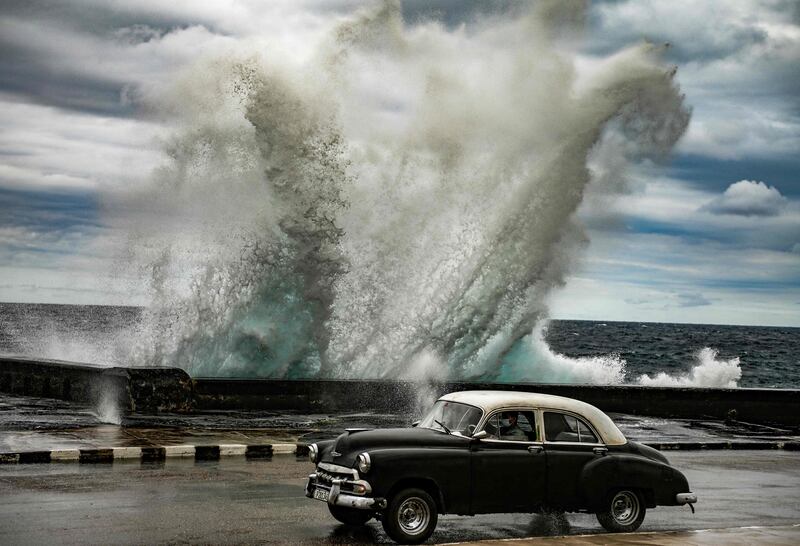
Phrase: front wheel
{"type": "Point", "coordinates": [411, 517]}
{"type": "Point", "coordinates": [350, 516]}
{"type": "Point", "coordinates": [623, 511]}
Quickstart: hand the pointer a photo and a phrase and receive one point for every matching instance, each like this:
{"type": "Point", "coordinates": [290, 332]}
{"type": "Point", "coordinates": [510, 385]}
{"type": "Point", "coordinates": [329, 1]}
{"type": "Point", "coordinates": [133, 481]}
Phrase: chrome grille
{"type": "Point", "coordinates": [326, 478]}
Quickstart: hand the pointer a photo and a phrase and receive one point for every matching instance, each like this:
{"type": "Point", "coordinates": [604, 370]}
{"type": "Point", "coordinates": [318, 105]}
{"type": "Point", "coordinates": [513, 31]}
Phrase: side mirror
{"type": "Point", "coordinates": [415, 423]}
{"type": "Point", "coordinates": [471, 430]}
{"type": "Point", "coordinates": [480, 435]}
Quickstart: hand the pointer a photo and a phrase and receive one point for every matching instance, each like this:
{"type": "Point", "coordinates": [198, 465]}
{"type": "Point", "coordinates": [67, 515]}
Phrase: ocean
{"type": "Point", "coordinates": [768, 357]}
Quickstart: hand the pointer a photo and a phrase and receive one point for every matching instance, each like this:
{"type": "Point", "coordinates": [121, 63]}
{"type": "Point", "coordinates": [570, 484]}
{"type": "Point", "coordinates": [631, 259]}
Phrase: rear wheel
{"type": "Point", "coordinates": [623, 511]}
{"type": "Point", "coordinates": [350, 516]}
{"type": "Point", "coordinates": [410, 517]}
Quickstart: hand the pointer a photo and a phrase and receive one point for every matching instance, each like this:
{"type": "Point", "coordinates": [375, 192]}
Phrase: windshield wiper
{"type": "Point", "coordinates": [447, 430]}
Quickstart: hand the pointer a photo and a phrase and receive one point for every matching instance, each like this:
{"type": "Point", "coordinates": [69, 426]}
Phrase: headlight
{"type": "Point", "coordinates": [313, 453]}
{"type": "Point", "coordinates": [364, 463]}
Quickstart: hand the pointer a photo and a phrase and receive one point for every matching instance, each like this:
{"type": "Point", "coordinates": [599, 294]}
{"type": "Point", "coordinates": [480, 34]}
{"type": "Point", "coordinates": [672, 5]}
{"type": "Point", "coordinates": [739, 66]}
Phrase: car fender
{"type": "Point", "coordinates": [447, 469]}
{"type": "Point", "coordinates": [658, 482]}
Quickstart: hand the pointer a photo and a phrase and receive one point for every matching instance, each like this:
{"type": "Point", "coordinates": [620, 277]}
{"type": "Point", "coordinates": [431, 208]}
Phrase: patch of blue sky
{"type": "Point", "coordinates": [752, 284]}
{"type": "Point", "coordinates": [716, 175]}
{"type": "Point", "coordinates": [688, 233]}
{"type": "Point", "coordinates": [655, 275]}
{"type": "Point", "coordinates": [49, 210]}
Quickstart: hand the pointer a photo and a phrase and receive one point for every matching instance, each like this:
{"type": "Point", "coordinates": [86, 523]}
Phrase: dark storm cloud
{"type": "Point", "coordinates": [95, 18]}
{"type": "Point", "coordinates": [28, 63]}
{"type": "Point", "coordinates": [25, 73]}
{"type": "Point", "coordinates": [453, 12]}
{"type": "Point", "coordinates": [617, 23]}
{"type": "Point", "coordinates": [680, 51]}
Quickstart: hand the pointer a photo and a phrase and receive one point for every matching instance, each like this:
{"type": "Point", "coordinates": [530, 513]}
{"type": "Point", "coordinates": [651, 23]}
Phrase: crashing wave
{"type": "Point", "coordinates": [312, 221]}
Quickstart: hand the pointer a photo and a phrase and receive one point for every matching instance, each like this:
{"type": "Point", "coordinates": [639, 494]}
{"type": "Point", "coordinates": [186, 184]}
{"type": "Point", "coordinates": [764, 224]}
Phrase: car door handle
{"type": "Point", "coordinates": [535, 449]}
{"type": "Point", "coordinates": [600, 451]}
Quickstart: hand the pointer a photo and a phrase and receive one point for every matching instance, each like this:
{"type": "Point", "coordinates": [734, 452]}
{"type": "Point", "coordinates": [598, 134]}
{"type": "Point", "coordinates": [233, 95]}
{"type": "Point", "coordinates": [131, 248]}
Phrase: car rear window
{"type": "Point", "coordinates": [562, 427]}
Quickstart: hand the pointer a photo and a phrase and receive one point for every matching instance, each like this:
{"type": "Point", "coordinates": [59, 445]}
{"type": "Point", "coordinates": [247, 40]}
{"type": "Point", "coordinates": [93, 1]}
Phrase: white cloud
{"type": "Point", "coordinates": [736, 62]}
{"type": "Point", "coordinates": [697, 29]}
{"type": "Point", "coordinates": [748, 198]}
{"type": "Point", "coordinates": [46, 147]}
{"type": "Point", "coordinates": [667, 205]}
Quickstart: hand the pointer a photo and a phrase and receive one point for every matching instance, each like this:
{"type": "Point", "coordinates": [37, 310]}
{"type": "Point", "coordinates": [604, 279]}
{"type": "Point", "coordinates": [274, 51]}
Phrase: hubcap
{"type": "Point", "coordinates": [413, 515]}
{"type": "Point", "coordinates": [625, 507]}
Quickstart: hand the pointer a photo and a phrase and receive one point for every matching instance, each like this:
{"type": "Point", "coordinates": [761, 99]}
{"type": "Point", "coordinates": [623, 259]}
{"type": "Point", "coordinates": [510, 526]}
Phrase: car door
{"type": "Point", "coordinates": [508, 472]}
{"type": "Point", "coordinates": [569, 443]}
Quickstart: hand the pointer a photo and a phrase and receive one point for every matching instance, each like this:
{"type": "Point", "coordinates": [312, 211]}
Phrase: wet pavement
{"type": "Point", "coordinates": [32, 424]}
{"type": "Point", "coordinates": [742, 536]}
{"type": "Point", "coordinates": [236, 501]}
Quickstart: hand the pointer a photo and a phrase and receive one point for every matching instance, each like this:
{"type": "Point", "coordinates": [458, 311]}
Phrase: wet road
{"type": "Point", "coordinates": [237, 501]}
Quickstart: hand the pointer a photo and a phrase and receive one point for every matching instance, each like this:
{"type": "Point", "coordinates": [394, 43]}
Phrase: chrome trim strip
{"type": "Point", "coordinates": [339, 469]}
{"type": "Point", "coordinates": [512, 442]}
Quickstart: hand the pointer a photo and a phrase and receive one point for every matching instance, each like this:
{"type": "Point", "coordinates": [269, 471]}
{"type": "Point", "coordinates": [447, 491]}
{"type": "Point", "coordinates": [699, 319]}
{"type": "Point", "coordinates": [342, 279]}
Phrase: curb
{"type": "Point", "coordinates": [154, 453]}
{"type": "Point", "coordinates": [745, 445]}
{"type": "Point", "coordinates": [266, 451]}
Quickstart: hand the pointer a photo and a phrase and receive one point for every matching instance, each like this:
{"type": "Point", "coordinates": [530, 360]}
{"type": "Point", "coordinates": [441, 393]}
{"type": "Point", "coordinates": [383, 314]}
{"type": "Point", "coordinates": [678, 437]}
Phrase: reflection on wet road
{"type": "Point", "coordinates": [237, 501]}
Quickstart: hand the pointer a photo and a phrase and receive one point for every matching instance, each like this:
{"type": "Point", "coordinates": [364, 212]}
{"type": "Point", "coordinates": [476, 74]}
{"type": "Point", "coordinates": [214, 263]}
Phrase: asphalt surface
{"type": "Point", "coordinates": [235, 501]}
{"type": "Point", "coordinates": [784, 535]}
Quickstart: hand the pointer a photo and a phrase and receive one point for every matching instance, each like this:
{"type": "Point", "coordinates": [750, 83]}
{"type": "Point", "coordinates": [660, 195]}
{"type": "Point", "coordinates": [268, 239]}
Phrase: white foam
{"type": "Point", "coordinates": [709, 372]}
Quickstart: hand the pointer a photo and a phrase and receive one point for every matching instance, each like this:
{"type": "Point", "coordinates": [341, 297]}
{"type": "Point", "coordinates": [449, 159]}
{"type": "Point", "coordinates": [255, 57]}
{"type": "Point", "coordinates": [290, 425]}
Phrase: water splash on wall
{"type": "Point", "coordinates": [410, 191]}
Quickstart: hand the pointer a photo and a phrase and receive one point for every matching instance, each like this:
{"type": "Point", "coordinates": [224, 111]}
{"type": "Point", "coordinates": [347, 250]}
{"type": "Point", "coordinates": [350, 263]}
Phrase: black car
{"type": "Point", "coordinates": [480, 452]}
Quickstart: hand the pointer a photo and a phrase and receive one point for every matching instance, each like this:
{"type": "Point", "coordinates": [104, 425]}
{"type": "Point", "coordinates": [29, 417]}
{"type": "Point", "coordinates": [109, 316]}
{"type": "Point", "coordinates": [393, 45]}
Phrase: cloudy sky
{"type": "Point", "coordinates": [712, 236]}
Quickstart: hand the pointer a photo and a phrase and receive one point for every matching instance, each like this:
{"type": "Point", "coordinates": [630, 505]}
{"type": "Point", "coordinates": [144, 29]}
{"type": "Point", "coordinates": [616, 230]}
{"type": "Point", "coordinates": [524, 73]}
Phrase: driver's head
{"type": "Point", "coordinates": [511, 416]}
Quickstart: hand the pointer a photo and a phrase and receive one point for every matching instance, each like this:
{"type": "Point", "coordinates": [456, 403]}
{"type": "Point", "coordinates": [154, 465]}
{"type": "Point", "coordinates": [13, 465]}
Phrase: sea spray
{"type": "Point", "coordinates": [710, 371]}
{"type": "Point", "coordinates": [409, 192]}
{"type": "Point", "coordinates": [107, 408]}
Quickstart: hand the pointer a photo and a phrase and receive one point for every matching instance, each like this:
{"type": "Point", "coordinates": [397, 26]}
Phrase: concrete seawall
{"type": "Point", "coordinates": [171, 389]}
{"type": "Point", "coordinates": [751, 405]}
{"type": "Point", "coordinates": [131, 389]}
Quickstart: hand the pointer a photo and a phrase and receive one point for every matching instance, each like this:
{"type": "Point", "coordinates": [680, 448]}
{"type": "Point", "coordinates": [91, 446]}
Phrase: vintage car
{"type": "Point", "coordinates": [479, 452]}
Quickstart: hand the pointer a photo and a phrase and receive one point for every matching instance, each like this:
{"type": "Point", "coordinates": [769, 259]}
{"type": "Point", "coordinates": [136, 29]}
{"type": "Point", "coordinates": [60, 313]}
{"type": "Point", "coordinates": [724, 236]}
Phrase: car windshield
{"type": "Point", "coordinates": [456, 417]}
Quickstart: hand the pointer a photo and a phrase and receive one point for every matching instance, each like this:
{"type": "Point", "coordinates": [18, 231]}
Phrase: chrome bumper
{"type": "Point", "coordinates": [686, 498]}
{"type": "Point", "coordinates": [337, 498]}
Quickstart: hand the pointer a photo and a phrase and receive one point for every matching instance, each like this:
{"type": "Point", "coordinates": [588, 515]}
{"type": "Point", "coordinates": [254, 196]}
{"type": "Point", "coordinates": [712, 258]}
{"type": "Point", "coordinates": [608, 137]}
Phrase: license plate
{"type": "Point", "coordinates": [321, 494]}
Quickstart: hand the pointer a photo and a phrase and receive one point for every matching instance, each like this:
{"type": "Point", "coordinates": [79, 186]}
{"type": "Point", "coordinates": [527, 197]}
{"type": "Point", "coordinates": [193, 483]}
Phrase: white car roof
{"type": "Point", "coordinates": [490, 401]}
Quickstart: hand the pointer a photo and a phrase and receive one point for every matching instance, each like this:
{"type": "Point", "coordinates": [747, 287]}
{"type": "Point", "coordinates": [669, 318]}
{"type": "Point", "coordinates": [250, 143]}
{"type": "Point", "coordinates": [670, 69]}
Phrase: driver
{"type": "Point", "coordinates": [512, 431]}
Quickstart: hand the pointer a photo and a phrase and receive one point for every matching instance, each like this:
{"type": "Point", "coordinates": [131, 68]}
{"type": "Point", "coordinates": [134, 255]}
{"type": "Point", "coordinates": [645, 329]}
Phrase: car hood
{"type": "Point", "coordinates": [351, 443]}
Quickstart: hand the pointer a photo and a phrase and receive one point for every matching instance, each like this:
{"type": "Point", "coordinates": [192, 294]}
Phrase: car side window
{"type": "Point", "coordinates": [512, 426]}
{"type": "Point", "coordinates": [562, 427]}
